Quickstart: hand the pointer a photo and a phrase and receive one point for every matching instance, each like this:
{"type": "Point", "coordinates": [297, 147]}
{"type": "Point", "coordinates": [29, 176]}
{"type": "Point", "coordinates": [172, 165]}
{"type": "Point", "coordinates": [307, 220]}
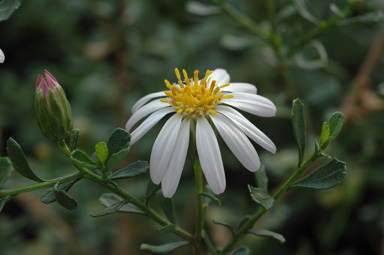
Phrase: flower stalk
{"type": "Point", "coordinates": [200, 206]}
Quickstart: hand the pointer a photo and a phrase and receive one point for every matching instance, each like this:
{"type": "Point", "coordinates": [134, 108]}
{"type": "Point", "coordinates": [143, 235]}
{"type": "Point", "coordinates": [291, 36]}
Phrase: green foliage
{"type": "Point", "coordinates": [5, 170]}
{"type": "Point", "coordinates": [64, 199]}
{"type": "Point", "coordinates": [118, 146]}
{"type": "Point", "coordinates": [167, 206]}
{"type": "Point", "coordinates": [49, 196]}
{"type": "Point", "coordinates": [74, 140]}
{"type": "Point", "coordinates": [81, 159]}
{"type": "Point", "coordinates": [240, 251]}
{"type": "Point", "coordinates": [261, 197]}
{"type": "Point", "coordinates": [7, 8]}
{"type": "Point", "coordinates": [267, 233]}
{"type": "Point", "coordinates": [19, 161]}
{"type": "Point", "coordinates": [298, 123]}
{"type": "Point", "coordinates": [324, 177]}
{"type": "Point", "coordinates": [135, 169]}
{"type": "Point", "coordinates": [165, 248]}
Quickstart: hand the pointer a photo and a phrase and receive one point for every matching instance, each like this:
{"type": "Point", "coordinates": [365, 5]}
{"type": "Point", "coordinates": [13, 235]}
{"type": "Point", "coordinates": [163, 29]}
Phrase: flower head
{"type": "Point", "coordinates": [52, 108]}
{"type": "Point", "coordinates": [196, 105]}
{"type": "Point", "coordinates": [2, 57]}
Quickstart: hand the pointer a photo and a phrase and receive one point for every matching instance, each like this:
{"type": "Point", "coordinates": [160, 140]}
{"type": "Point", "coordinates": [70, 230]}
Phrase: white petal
{"type": "Point", "coordinates": [247, 127]}
{"type": "Point", "coordinates": [2, 56]}
{"type": "Point", "coordinates": [209, 156]}
{"type": "Point", "coordinates": [142, 101]}
{"type": "Point", "coordinates": [237, 142]}
{"type": "Point", "coordinates": [220, 76]}
{"type": "Point", "coordinates": [172, 175]}
{"type": "Point", "coordinates": [251, 103]}
{"type": "Point", "coordinates": [163, 148]}
{"type": "Point", "coordinates": [241, 87]}
{"type": "Point", "coordinates": [144, 111]}
{"type": "Point", "coordinates": [148, 123]}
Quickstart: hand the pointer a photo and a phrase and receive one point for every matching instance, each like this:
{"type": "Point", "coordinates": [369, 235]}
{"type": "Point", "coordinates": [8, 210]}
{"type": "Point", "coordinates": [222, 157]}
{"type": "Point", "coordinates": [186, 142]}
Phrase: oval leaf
{"type": "Point", "coordinates": [335, 124]}
{"type": "Point", "coordinates": [165, 248]}
{"type": "Point", "coordinates": [324, 177]}
{"type": "Point", "coordinates": [81, 159]}
{"type": "Point", "coordinates": [261, 197]}
{"type": "Point", "coordinates": [101, 150]}
{"type": "Point", "coordinates": [49, 196]}
{"type": "Point", "coordinates": [64, 199]}
{"type": "Point", "coordinates": [118, 141]}
{"type": "Point", "coordinates": [240, 251]}
{"type": "Point", "coordinates": [267, 233]}
{"type": "Point", "coordinates": [19, 161]}
{"type": "Point", "coordinates": [130, 171]}
{"type": "Point", "coordinates": [7, 8]}
{"type": "Point", "coordinates": [5, 170]}
{"type": "Point", "coordinates": [74, 139]}
{"type": "Point", "coordinates": [298, 123]}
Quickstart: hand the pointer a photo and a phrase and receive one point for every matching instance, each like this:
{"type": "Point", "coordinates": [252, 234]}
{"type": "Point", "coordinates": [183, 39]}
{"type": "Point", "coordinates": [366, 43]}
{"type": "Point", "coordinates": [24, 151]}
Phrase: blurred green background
{"type": "Point", "coordinates": [108, 54]}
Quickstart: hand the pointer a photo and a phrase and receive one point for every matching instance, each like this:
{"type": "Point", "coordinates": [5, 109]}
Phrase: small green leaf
{"type": "Point", "coordinates": [123, 207]}
{"type": "Point", "coordinates": [167, 207]}
{"type": "Point", "coordinates": [3, 201]}
{"type": "Point", "coordinates": [224, 224]}
{"type": "Point", "coordinates": [7, 8]}
{"type": "Point", "coordinates": [261, 197]}
{"type": "Point", "coordinates": [370, 17]}
{"type": "Point", "coordinates": [118, 146]}
{"type": "Point", "coordinates": [240, 251]}
{"type": "Point", "coordinates": [130, 208]}
{"type": "Point", "coordinates": [106, 211]}
{"type": "Point", "coordinates": [208, 242]}
{"type": "Point", "coordinates": [166, 229]}
{"type": "Point", "coordinates": [81, 159]}
{"type": "Point", "coordinates": [211, 197]}
{"type": "Point", "coordinates": [165, 248]}
{"type": "Point", "coordinates": [5, 170]}
{"type": "Point", "coordinates": [64, 199]}
{"type": "Point", "coordinates": [302, 8]}
{"type": "Point", "coordinates": [19, 161]}
{"type": "Point", "coordinates": [151, 190]}
{"type": "Point", "coordinates": [335, 124]}
{"type": "Point", "coordinates": [101, 150]}
{"type": "Point", "coordinates": [267, 233]}
{"type": "Point", "coordinates": [133, 170]}
{"type": "Point", "coordinates": [324, 177]}
{"type": "Point", "coordinates": [49, 195]}
{"type": "Point", "coordinates": [324, 134]}
{"type": "Point", "coordinates": [73, 142]}
{"type": "Point", "coordinates": [109, 199]}
{"type": "Point", "coordinates": [298, 123]}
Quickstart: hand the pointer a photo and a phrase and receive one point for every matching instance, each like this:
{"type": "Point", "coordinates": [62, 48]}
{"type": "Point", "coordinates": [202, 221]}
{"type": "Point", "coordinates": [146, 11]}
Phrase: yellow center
{"type": "Point", "coordinates": [194, 98]}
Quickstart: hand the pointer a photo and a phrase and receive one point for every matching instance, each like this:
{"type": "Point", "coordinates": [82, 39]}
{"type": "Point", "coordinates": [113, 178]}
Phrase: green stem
{"type": "Point", "coordinates": [125, 195]}
{"type": "Point", "coordinates": [283, 188]}
{"type": "Point", "coordinates": [200, 201]}
{"type": "Point", "coordinates": [40, 185]}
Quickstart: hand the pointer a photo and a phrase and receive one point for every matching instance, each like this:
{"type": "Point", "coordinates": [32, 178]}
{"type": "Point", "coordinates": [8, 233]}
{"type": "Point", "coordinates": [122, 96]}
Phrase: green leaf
{"type": "Point", "coordinates": [370, 17]}
{"type": "Point", "coordinates": [130, 208]}
{"type": "Point", "coordinates": [211, 197]}
{"type": "Point", "coordinates": [151, 190]}
{"type": "Point", "coordinates": [123, 206]}
{"type": "Point", "coordinates": [19, 161]}
{"type": "Point", "coordinates": [112, 200]}
{"type": "Point", "coordinates": [73, 142]}
{"type": "Point", "coordinates": [165, 248]}
{"type": "Point", "coordinates": [133, 170]}
{"type": "Point", "coordinates": [261, 197]}
{"type": "Point", "coordinates": [7, 8]}
{"type": "Point", "coordinates": [64, 199]}
{"type": "Point", "coordinates": [106, 211]}
{"type": "Point", "coordinates": [167, 207]}
{"type": "Point", "coordinates": [302, 8]}
{"type": "Point", "coordinates": [298, 123]}
{"type": "Point", "coordinates": [242, 222]}
{"type": "Point", "coordinates": [5, 170]}
{"type": "Point", "coordinates": [101, 150]}
{"type": "Point", "coordinates": [224, 224]}
{"type": "Point", "coordinates": [335, 124]}
{"type": "Point", "coordinates": [240, 251]}
{"type": "Point", "coordinates": [49, 195]}
{"type": "Point", "coordinates": [208, 242]}
{"type": "Point", "coordinates": [166, 229]}
{"type": "Point", "coordinates": [109, 199]}
{"type": "Point", "coordinates": [324, 177]}
{"type": "Point", "coordinates": [324, 138]}
{"type": "Point", "coordinates": [267, 233]}
{"type": "Point", "coordinates": [118, 146]}
{"type": "Point", "coordinates": [81, 159]}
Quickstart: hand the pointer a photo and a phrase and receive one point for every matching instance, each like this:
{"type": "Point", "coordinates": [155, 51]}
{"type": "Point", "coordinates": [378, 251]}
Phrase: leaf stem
{"type": "Point", "coordinates": [200, 201]}
{"type": "Point", "coordinates": [283, 188]}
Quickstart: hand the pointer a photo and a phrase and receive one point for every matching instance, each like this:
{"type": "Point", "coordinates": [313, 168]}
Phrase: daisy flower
{"type": "Point", "coordinates": [197, 107]}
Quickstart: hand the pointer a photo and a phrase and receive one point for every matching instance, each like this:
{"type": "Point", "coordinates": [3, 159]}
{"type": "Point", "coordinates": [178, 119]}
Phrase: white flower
{"type": "Point", "coordinates": [196, 105]}
{"type": "Point", "coordinates": [2, 57]}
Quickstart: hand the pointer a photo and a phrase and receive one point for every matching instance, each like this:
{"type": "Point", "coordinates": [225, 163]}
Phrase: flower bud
{"type": "Point", "coordinates": [52, 108]}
